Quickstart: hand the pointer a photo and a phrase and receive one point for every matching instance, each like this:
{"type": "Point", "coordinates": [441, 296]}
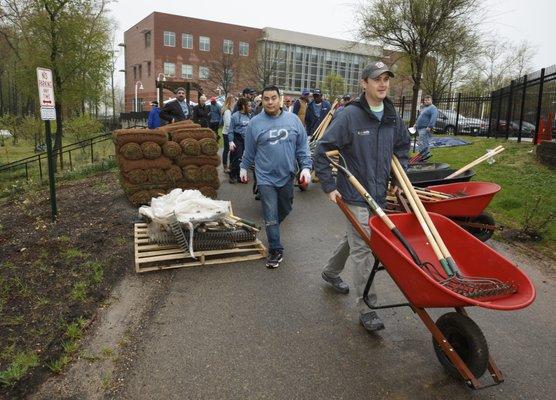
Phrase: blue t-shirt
{"type": "Point", "coordinates": [275, 145]}
{"type": "Point", "coordinates": [238, 125]}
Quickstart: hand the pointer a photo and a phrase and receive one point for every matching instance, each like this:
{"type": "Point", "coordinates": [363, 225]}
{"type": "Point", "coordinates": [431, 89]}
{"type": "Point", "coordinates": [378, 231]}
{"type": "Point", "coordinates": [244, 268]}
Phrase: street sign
{"type": "Point", "coordinates": [48, 114]}
{"type": "Point", "coordinates": [46, 88]}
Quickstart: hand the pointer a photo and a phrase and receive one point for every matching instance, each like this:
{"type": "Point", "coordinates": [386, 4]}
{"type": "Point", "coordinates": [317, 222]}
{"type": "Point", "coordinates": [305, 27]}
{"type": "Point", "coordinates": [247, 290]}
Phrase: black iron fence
{"type": "Point", "coordinates": [513, 111]}
{"type": "Point", "coordinates": [86, 151]}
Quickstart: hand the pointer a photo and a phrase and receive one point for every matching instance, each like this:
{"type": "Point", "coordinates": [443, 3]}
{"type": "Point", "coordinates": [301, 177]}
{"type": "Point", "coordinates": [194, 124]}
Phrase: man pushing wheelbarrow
{"type": "Point", "coordinates": [367, 132]}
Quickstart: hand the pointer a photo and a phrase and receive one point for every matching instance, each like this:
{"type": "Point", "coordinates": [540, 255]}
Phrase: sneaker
{"type": "Point", "coordinates": [337, 283]}
{"type": "Point", "coordinates": [371, 322]}
{"type": "Point", "coordinates": [257, 196]}
{"type": "Point", "coordinates": [226, 169]}
{"type": "Point", "coordinates": [274, 258]}
{"type": "Point", "coordinates": [232, 180]}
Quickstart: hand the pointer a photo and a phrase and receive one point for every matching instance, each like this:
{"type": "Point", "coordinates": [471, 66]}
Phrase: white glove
{"type": "Point", "coordinates": [305, 177]}
{"type": "Point", "coordinates": [232, 146]}
{"type": "Point", "coordinates": [243, 175]}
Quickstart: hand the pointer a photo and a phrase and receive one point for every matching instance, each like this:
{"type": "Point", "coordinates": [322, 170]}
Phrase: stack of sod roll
{"type": "Point", "coordinates": [153, 162]}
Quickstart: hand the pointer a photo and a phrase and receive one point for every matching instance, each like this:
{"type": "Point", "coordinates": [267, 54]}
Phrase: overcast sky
{"type": "Point", "coordinates": [516, 20]}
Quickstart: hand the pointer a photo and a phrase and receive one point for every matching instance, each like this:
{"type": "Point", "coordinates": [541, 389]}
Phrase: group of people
{"type": "Point", "coordinates": [272, 138]}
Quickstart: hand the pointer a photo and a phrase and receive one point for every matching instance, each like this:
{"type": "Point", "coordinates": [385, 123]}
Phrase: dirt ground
{"type": "Point", "coordinates": [54, 276]}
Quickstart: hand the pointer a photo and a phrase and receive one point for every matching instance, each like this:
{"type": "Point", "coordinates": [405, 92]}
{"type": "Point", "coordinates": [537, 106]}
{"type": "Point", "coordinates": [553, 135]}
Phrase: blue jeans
{"type": "Point", "coordinates": [277, 204]}
{"type": "Point", "coordinates": [424, 137]}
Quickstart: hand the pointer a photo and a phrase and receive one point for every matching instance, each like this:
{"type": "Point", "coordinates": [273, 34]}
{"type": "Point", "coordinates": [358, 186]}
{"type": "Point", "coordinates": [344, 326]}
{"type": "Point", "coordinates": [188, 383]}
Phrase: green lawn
{"type": "Point", "coordinates": [523, 180]}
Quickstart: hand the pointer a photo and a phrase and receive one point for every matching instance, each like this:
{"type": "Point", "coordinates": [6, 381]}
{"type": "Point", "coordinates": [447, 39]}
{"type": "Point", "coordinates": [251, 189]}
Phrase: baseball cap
{"type": "Point", "coordinates": [347, 97]}
{"type": "Point", "coordinates": [305, 93]}
{"type": "Point", "coordinates": [376, 69]}
{"type": "Point", "coordinates": [248, 90]}
{"type": "Point", "coordinates": [154, 103]}
{"type": "Point", "coordinates": [317, 92]}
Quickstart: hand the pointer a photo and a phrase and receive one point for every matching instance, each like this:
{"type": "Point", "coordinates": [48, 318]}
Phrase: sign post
{"type": "Point", "coordinates": [48, 113]}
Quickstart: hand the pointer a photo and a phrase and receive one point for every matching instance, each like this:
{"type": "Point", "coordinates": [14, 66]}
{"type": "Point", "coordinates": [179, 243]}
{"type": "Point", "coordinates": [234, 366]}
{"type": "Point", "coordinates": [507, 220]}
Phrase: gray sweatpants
{"type": "Point", "coordinates": [354, 250]}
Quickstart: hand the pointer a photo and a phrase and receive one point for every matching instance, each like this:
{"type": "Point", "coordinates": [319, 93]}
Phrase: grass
{"type": "Point", "coordinates": [18, 368]}
{"type": "Point", "coordinates": [522, 178]}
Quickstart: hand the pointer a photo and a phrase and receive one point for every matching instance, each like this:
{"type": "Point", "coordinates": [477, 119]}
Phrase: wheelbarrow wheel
{"type": "Point", "coordinates": [465, 336]}
{"type": "Point", "coordinates": [483, 234]}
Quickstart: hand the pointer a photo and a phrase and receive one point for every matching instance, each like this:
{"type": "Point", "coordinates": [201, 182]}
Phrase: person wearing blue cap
{"type": "Point", "coordinates": [300, 106]}
{"type": "Point", "coordinates": [316, 111]}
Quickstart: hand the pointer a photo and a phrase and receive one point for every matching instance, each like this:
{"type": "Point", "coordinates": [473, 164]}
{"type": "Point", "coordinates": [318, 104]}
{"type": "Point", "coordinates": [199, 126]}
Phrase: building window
{"type": "Point", "coordinates": [169, 69]}
{"type": "Point", "coordinates": [204, 43]}
{"type": "Point", "coordinates": [148, 39]}
{"type": "Point", "coordinates": [186, 41]}
{"type": "Point", "coordinates": [243, 49]}
{"type": "Point", "coordinates": [228, 47]}
{"type": "Point", "coordinates": [134, 72]}
{"type": "Point", "coordinates": [148, 68]}
{"type": "Point", "coordinates": [187, 71]}
{"type": "Point", "coordinates": [169, 39]}
{"type": "Point", "coordinates": [203, 73]}
{"type": "Point", "coordinates": [140, 71]}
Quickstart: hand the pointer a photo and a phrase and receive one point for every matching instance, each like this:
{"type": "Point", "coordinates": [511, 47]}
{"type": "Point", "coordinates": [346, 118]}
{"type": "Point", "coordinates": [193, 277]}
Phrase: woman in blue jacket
{"type": "Point", "coordinates": [236, 136]}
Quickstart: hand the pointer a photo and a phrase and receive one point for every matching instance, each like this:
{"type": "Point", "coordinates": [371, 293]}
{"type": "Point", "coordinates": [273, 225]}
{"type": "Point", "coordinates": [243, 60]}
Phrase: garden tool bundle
{"type": "Point", "coordinates": [449, 275]}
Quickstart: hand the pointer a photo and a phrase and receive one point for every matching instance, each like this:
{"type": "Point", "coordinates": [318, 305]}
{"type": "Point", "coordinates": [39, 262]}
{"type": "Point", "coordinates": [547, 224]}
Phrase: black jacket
{"type": "Point", "coordinates": [172, 112]}
{"type": "Point", "coordinates": [367, 145]}
{"type": "Point", "coordinates": [201, 115]}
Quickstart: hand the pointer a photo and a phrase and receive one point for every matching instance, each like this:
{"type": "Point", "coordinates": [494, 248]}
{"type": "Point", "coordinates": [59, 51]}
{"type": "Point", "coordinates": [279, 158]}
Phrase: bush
{"type": "Point", "coordinates": [82, 127]}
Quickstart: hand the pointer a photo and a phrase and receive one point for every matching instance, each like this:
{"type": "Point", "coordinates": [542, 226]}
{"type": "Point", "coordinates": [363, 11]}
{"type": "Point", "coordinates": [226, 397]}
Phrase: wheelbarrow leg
{"type": "Point", "coordinates": [467, 375]}
{"type": "Point", "coordinates": [495, 373]}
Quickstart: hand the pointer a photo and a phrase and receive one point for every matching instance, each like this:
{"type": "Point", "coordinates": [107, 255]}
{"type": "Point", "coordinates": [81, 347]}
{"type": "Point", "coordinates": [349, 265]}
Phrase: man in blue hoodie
{"type": "Point", "coordinates": [316, 111]}
{"type": "Point", "coordinates": [275, 143]}
{"type": "Point", "coordinates": [367, 132]}
{"type": "Point", "coordinates": [425, 124]}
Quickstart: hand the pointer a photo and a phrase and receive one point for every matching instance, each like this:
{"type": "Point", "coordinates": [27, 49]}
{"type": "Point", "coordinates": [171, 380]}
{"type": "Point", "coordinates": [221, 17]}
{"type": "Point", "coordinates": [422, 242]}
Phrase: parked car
{"type": "Point", "coordinates": [527, 128]}
{"type": "Point", "coordinates": [446, 123]}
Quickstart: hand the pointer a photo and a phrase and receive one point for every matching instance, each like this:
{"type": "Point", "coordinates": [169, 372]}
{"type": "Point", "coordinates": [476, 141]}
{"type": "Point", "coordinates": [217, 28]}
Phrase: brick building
{"type": "Point", "coordinates": [177, 48]}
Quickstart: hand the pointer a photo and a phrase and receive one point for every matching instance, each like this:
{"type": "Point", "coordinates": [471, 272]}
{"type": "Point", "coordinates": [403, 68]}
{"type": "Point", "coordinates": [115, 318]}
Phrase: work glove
{"type": "Point", "coordinates": [232, 146]}
{"type": "Point", "coordinates": [243, 175]}
{"type": "Point", "coordinates": [305, 177]}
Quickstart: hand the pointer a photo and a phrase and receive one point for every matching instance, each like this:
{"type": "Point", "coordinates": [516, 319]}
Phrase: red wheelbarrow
{"type": "Point", "coordinates": [467, 207]}
{"type": "Point", "coordinates": [458, 342]}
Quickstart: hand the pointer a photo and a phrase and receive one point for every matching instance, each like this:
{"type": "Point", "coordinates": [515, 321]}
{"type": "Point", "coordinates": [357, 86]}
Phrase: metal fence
{"type": "Point", "coordinates": [82, 152]}
{"type": "Point", "coordinates": [524, 103]}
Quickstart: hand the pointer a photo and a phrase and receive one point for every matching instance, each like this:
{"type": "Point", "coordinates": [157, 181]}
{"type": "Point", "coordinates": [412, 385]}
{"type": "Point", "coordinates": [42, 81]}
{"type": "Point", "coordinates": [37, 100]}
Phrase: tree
{"type": "Point", "coordinates": [264, 68]}
{"type": "Point", "coordinates": [417, 28]}
{"type": "Point", "coordinates": [223, 72]}
{"type": "Point", "coordinates": [70, 38]}
{"type": "Point", "coordinates": [333, 86]}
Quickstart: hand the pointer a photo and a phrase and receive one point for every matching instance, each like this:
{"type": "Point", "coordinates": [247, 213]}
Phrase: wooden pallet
{"type": "Point", "coordinates": [154, 257]}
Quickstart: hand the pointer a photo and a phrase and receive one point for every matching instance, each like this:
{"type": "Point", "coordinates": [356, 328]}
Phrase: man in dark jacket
{"type": "Point", "coordinates": [367, 132]}
{"type": "Point", "coordinates": [176, 110]}
{"type": "Point", "coordinates": [201, 112]}
{"type": "Point", "coordinates": [215, 117]}
{"type": "Point", "coordinates": [316, 111]}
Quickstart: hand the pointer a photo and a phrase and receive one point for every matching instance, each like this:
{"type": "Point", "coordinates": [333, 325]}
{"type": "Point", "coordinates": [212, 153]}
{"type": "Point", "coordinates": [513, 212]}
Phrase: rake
{"type": "Point", "coordinates": [473, 287]}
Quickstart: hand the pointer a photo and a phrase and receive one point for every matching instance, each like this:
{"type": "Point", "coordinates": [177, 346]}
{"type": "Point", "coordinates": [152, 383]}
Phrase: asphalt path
{"type": "Point", "coordinates": [241, 331]}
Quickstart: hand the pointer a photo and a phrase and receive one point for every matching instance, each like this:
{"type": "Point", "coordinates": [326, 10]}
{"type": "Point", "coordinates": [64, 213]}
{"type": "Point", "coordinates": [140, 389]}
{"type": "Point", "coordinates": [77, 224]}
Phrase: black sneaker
{"type": "Point", "coordinates": [274, 258]}
{"type": "Point", "coordinates": [371, 321]}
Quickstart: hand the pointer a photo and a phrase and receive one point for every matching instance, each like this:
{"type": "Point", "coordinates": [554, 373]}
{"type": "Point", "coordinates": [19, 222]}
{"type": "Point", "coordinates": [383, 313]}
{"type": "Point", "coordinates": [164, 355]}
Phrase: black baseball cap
{"type": "Point", "coordinates": [376, 69]}
{"type": "Point", "coordinates": [317, 92]}
{"type": "Point", "coordinates": [248, 90]}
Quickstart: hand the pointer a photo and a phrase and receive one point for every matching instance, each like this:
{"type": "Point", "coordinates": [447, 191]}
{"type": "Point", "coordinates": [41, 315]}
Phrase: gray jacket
{"type": "Point", "coordinates": [367, 145]}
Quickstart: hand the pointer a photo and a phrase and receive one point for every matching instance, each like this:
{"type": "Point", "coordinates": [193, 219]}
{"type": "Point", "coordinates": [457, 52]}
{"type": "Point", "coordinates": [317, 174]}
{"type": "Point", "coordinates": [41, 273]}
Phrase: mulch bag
{"type": "Point", "coordinates": [209, 147]}
{"type": "Point", "coordinates": [193, 133]}
{"type": "Point", "coordinates": [171, 149]}
{"type": "Point", "coordinates": [123, 136]}
{"type": "Point", "coordinates": [131, 151]}
{"type": "Point", "coordinates": [182, 160]}
{"type": "Point", "coordinates": [191, 147]}
{"type": "Point", "coordinates": [151, 150]}
{"type": "Point", "coordinates": [129, 165]}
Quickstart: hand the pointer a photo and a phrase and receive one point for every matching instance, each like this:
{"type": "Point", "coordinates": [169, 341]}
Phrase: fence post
{"type": "Point", "coordinates": [509, 113]}
{"type": "Point", "coordinates": [498, 113]}
{"type": "Point", "coordinates": [522, 107]}
{"type": "Point", "coordinates": [71, 165]}
{"type": "Point", "coordinates": [403, 106]}
{"type": "Point", "coordinates": [92, 155]}
{"type": "Point", "coordinates": [539, 104]}
{"type": "Point", "coordinates": [40, 167]}
{"type": "Point", "coordinates": [457, 114]}
{"type": "Point", "coordinates": [490, 113]}
{"type": "Point", "coordinates": [26, 172]}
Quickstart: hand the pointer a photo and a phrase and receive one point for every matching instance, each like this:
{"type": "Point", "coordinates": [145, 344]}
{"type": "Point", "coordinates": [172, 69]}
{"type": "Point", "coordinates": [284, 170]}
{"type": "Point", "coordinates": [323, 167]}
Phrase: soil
{"type": "Point", "coordinates": [53, 274]}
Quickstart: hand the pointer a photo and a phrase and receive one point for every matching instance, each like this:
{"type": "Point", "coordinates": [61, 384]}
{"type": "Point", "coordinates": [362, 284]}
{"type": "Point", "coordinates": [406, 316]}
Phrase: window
{"type": "Point", "coordinates": [204, 43]}
{"type": "Point", "coordinates": [203, 73]}
{"type": "Point", "coordinates": [187, 71]}
{"type": "Point", "coordinates": [134, 72]}
{"type": "Point", "coordinates": [243, 49]}
{"type": "Point", "coordinates": [148, 39]}
{"type": "Point", "coordinates": [169, 39]}
{"type": "Point", "coordinates": [148, 68]}
{"type": "Point", "coordinates": [140, 71]}
{"type": "Point", "coordinates": [169, 69]}
{"type": "Point", "coordinates": [186, 41]}
{"type": "Point", "coordinates": [228, 47]}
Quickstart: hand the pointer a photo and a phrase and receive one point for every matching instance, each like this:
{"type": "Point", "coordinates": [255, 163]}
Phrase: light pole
{"type": "Point", "coordinates": [163, 77]}
{"type": "Point", "coordinates": [140, 87]}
